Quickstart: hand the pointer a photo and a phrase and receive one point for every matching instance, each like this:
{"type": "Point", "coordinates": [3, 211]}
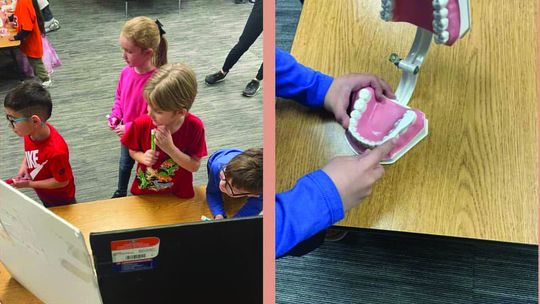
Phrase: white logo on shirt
{"type": "Point", "coordinates": [31, 159]}
{"type": "Point", "coordinates": [32, 163]}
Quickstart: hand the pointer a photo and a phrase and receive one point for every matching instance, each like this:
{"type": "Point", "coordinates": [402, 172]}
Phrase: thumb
{"type": "Point", "coordinates": [380, 152]}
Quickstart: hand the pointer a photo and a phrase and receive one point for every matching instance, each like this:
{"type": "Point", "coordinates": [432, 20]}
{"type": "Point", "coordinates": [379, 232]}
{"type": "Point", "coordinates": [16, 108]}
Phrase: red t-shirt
{"type": "Point", "coordinates": [166, 176]}
{"type": "Point", "coordinates": [50, 158]}
{"type": "Point", "coordinates": [31, 45]}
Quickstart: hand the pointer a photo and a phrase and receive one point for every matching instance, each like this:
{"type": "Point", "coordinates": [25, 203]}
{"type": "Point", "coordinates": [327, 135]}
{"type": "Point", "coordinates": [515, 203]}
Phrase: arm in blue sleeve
{"type": "Point", "coordinates": [213, 194]}
{"type": "Point", "coordinates": [311, 206]}
{"type": "Point", "coordinates": [252, 207]}
{"type": "Point", "coordinates": [298, 82]}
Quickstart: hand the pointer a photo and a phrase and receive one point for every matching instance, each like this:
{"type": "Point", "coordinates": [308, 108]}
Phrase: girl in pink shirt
{"type": "Point", "coordinates": [144, 50]}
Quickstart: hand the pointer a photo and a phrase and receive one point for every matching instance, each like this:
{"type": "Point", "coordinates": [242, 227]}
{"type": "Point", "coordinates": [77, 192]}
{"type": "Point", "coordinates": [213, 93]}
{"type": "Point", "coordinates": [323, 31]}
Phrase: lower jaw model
{"type": "Point", "coordinates": [448, 20]}
{"type": "Point", "coordinates": [374, 122]}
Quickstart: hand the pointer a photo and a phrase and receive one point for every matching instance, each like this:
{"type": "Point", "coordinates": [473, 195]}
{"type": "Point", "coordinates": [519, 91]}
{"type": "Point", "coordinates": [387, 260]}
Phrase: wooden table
{"type": "Point", "coordinates": [475, 174]}
{"type": "Point", "coordinates": [120, 213]}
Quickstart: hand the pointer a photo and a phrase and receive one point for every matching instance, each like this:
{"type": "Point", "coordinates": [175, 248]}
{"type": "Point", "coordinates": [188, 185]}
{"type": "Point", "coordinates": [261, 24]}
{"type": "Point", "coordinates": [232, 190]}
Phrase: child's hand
{"type": "Point", "coordinates": [21, 182]}
{"type": "Point", "coordinates": [113, 122]}
{"type": "Point", "coordinates": [337, 98]}
{"type": "Point", "coordinates": [218, 217]}
{"type": "Point", "coordinates": [355, 175]}
{"type": "Point", "coordinates": [120, 130]}
{"type": "Point", "coordinates": [164, 140]}
{"type": "Point", "coordinates": [22, 174]}
{"type": "Point", "coordinates": [150, 157]}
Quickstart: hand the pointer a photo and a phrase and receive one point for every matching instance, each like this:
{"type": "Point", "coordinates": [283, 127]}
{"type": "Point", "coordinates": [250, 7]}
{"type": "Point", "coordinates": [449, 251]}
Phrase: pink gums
{"type": "Point", "coordinates": [420, 13]}
{"type": "Point", "coordinates": [379, 118]}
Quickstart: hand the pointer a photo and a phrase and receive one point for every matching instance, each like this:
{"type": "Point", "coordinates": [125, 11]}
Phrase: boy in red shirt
{"type": "Point", "coordinates": [45, 166]}
{"type": "Point", "coordinates": [169, 142]}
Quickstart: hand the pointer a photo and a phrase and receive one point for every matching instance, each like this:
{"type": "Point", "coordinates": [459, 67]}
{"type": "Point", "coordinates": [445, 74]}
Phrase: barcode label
{"type": "Point", "coordinates": [134, 249]}
{"type": "Point", "coordinates": [135, 257]}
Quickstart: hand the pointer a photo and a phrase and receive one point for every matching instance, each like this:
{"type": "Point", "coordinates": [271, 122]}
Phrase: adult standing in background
{"type": "Point", "coordinates": [252, 30]}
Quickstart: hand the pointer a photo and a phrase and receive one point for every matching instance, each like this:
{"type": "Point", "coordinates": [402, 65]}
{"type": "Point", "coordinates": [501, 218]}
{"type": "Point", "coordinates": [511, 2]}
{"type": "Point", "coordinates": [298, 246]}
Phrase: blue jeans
{"type": "Point", "coordinates": [124, 170]}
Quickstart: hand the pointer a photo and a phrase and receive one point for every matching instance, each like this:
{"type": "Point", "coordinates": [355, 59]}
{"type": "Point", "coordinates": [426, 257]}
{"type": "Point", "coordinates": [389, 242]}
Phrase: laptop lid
{"type": "Point", "coordinates": [43, 252]}
{"type": "Point", "coordinates": [202, 262]}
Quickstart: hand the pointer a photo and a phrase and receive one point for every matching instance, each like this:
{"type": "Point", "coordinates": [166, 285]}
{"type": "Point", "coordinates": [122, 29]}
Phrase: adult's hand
{"type": "Point", "coordinates": [338, 96]}
{"type": "Point", "coordinates": [354, 176]}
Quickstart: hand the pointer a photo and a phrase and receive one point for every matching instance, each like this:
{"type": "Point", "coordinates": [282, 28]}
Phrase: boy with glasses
{"type": "Point", "coordinates": [235, 173]}
{"type": "Point", "coordinates": [45, 166]}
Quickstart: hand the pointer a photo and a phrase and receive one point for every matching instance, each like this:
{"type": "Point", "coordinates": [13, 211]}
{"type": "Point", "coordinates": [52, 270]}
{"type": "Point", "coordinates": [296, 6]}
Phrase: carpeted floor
{"type": "Point", "coordinates": [376, 267]}
{"type": "Point", "coordinates": [201, 35]}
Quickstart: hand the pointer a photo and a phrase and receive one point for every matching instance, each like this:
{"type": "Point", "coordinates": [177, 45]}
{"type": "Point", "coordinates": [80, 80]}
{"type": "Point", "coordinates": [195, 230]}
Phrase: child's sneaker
{"type": "Point", "coordinates": [252, 88]}
{"type": "Point", "coordinates": [215, 78]}
{"type": "Point", "coordinates": [52, 25]}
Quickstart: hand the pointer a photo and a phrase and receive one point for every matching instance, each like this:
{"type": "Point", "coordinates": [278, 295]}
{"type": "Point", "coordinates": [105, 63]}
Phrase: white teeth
{"type": "Point", "coordinates": [440, 25]}
{"type": "Point", "coordinates": [438, 4]}
{"type": "Point", "coordinates": [360, 105]}
{"type": "Point", "coordinates": [443, 36]}
{"type": "Point", "coordinates": [364, 94]}
{"type": "Point", "coordinates": [355, 114]}
{"type": "Point", "coordinates": [439, 14]}
{"type": "Point", "coordinates": [386, 9]}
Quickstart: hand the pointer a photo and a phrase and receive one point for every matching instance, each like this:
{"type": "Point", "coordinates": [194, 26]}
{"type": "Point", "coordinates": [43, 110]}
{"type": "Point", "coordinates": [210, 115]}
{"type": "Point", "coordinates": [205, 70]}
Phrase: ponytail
{"type": "Point", "coordinates": [160, 58]}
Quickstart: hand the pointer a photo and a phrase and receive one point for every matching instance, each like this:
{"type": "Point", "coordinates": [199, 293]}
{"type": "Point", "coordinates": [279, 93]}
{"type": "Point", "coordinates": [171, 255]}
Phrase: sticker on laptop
{"type": "Point", "coordinates": [135, 254]}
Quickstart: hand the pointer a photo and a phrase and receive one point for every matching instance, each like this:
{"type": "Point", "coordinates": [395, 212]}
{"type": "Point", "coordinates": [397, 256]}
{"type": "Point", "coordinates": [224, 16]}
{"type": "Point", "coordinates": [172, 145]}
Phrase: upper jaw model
{"type": "Point", "coordinates": [374, 122]}
{"type": "Point", "coordinates": [448, 20]}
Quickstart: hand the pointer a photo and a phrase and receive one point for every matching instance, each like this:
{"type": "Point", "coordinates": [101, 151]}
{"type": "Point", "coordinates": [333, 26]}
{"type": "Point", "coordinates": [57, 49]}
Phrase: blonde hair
{"type": "Point", "coordinates": [246, 170]}
{"type": "Point", "coordinates": [173, 87]}
{"type": "Point", "coordinates": [144, 32]}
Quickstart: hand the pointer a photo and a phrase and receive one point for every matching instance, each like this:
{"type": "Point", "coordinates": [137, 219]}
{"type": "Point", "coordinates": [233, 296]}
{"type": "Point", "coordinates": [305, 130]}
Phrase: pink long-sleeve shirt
{"type": "Point", "coordinates": [129, 102]}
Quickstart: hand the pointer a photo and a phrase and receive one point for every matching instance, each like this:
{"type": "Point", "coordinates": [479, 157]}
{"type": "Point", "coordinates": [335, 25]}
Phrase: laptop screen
{"type": "Point", "coordinates": [202, 262]}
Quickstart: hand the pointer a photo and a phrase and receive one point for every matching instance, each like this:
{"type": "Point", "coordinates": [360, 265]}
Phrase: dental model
{"type": "Point", "coordinates": [448, 20]}
{"type": "Point", "coordinates": [373, 123]}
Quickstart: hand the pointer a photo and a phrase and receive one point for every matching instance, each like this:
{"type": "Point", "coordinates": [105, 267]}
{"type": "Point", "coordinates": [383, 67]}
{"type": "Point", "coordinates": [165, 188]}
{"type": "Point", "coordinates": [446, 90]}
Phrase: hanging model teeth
{"type": "Point", "coordinates": [439, 14]}
{"type": "Point", "coordinates": [442, 37]}
{"type": "Point", "coordinates": [440, 25]}
{"type": "Point", "coordinates": [439, 4]}
{"type": "Point", "coordinates": [386, 9]}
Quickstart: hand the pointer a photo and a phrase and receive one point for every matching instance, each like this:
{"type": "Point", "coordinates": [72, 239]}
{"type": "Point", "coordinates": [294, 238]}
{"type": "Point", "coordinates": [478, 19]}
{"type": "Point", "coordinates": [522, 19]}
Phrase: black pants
{"type": "Point", "coordinates": [252, 30]}
{"type": "Point", "coordinates": [47, 14]}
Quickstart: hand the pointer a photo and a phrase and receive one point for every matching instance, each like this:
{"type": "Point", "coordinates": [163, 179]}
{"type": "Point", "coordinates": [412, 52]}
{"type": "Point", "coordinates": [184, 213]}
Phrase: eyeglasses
{"type": "Point", "coordinates": [229, 186]}
{"type": "Point", "coordinates": [13, 120]}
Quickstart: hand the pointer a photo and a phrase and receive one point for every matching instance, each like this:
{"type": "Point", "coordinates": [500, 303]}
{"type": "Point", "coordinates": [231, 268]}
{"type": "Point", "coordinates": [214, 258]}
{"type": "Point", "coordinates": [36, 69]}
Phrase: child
{"type": "Point", "coordinates": [28, 21]}
{"type": "Point", "coordinates": [169, 142]}
{"type": "Point", "coordinates": [237, 174]}
{"type": "Point", "coordinates": [144, 49]}
{"type": "Point", "coordinates": [45, 166]}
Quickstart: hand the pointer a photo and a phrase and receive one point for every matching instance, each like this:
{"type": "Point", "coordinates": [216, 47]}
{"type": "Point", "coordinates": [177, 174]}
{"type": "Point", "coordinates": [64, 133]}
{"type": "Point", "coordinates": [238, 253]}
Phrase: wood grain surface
{"type": "Point", "coordinates": [121, 213]}
{"type": "Point", "coordinates": [475, 174]}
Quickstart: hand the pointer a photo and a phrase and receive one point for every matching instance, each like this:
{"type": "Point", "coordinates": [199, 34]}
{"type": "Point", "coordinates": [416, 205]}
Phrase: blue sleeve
{"type": "Point", "coordinates": [252, 207]}
{"type": "Point", "coordinates": [298, 82]}
{"type": "Point", "coordinates": [311, 206]}
{"type": "Point", "coordinates": [213, 194]}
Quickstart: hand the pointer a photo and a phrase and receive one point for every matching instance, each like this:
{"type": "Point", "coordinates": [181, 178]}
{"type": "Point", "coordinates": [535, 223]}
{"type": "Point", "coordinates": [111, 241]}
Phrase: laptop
{"type": "Point", "coordinates": [43, 252]}
{"type": "Point", "coordinates": [201, 262]}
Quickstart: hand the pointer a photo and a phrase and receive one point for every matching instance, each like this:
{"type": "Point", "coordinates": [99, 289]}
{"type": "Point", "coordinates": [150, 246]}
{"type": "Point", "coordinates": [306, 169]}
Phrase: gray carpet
{"type": "Point", "coordinates": [201, 35]}
{"type": "Point", "coordinates": [375, 267]}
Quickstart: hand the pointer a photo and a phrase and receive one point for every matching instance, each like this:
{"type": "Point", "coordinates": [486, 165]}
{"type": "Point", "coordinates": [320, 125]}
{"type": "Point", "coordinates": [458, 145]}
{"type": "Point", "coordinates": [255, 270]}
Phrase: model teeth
{"type": "Point", "coordinates": [438, 4]}
{"type": "Point", "coordinates": [386, 9]}
{"type": "Point", "coordinates": [439, 14]}
{"type": "Point", "coordinates": [440, 25]}
{"type": "Point", "coordinates": [442, 37]}
{"type": "Point", "coordinates": [364, 94]}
